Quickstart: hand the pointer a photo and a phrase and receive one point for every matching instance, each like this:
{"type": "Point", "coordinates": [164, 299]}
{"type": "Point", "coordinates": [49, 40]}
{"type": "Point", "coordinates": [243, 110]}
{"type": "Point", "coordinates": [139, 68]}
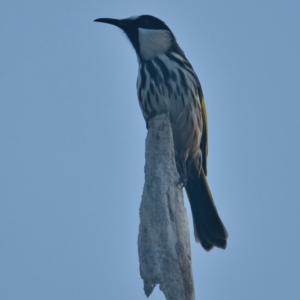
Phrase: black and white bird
{"type": "Point", "coordinates": [167, 83]}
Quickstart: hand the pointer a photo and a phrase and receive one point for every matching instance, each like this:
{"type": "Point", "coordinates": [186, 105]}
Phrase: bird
{"type": "Point", "coordinates": [167, 82]}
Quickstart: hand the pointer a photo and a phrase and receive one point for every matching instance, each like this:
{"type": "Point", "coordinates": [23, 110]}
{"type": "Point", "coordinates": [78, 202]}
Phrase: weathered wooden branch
{"type": "Point", "coordinates": [164, 240]}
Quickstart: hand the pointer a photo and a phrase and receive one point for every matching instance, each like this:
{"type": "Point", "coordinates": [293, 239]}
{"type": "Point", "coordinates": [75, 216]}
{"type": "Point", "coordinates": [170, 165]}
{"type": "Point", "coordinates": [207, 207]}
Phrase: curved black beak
{"type": "Point", "coordinates": [119, 23]}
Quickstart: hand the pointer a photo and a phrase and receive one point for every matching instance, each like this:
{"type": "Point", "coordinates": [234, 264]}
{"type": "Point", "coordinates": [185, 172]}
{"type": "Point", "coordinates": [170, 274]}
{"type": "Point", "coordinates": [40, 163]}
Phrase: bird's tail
{"type": "Point", "coordinates": [208, 227]}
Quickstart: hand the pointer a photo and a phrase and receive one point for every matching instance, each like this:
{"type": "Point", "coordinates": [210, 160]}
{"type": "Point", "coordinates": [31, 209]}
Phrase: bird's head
{"type": "Point", "coordinates": [149, 35]}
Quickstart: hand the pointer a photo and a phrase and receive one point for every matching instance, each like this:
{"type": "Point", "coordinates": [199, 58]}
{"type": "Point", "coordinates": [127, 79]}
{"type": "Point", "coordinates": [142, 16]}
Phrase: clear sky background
{"type": "Point", "coordinates": [72, 147]}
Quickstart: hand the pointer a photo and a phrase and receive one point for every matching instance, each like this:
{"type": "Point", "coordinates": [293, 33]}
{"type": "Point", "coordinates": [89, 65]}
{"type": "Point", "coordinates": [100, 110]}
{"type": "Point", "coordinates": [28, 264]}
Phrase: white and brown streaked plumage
{"type": "Point", "coordinates": [167, 83]}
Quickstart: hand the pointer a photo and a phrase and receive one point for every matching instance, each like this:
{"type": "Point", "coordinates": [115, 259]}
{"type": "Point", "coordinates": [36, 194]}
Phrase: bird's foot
{"type": "Point", "coordinates": [182, 182]}
{"type": "Point", "coordinates": [183, 177]}
{"type": "Point", "coordinates": [152, 114]}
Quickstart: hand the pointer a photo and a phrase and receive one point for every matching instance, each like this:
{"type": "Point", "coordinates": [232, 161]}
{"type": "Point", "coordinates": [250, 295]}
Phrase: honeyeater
{"type": "Point", "coordinates": [168, 83]}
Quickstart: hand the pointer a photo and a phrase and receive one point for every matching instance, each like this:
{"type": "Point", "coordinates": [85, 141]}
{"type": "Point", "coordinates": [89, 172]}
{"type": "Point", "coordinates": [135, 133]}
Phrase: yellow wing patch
{"type": "Point", "coordinates": [204, 138]}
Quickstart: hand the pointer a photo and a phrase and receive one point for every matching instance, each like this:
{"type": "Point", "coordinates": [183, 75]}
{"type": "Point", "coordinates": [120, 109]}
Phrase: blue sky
{"type": "Point", "coordinates": [72, 147]}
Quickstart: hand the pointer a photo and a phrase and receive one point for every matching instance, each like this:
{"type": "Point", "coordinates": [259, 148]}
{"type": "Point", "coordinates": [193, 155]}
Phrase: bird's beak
{"type": "Point", "coordinates": [119, 23]}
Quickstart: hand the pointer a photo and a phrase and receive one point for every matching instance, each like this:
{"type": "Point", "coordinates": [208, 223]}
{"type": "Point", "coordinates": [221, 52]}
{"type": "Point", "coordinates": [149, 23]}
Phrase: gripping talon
{"type": "Point", "coordinates": [183, 177]}
{"type": "Point", "coordinates": [152, 114]}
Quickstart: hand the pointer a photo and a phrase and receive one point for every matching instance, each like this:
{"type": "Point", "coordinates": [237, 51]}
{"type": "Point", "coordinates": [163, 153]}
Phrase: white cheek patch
{"type": "Point", "coordinates": [153, 42]}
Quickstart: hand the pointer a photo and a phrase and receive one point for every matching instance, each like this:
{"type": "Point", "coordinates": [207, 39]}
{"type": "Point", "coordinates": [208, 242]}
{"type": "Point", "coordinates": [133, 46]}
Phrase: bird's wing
{"type": "Point", "coordinates": [204, 138]}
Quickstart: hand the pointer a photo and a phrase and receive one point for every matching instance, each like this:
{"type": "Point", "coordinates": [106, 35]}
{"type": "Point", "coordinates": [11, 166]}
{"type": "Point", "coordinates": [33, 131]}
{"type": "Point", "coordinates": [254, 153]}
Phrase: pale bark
{"type": "Point", "coordinates": [164, 240]}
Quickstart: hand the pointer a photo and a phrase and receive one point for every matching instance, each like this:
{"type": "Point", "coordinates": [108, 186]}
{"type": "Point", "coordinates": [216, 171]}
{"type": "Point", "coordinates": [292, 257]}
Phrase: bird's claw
{"type": "Point", "coordinates": [152, 114]}
{"type": "Point", "coordinates": [183, 176]}
{"type": "Point", "coordinates": [182, 182]}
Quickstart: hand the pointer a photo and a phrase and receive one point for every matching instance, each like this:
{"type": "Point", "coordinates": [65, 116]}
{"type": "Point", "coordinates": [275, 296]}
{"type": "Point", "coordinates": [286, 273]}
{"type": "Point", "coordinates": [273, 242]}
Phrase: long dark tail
{"type": "Point", "coordinates": [208, 227]}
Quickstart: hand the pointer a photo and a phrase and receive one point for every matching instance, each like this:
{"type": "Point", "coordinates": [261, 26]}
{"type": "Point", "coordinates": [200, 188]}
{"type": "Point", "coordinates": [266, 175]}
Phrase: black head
{"type": "Point", "coordinates": [150, 22]}
{"type": "Point", "coordinates": [148, 35]}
